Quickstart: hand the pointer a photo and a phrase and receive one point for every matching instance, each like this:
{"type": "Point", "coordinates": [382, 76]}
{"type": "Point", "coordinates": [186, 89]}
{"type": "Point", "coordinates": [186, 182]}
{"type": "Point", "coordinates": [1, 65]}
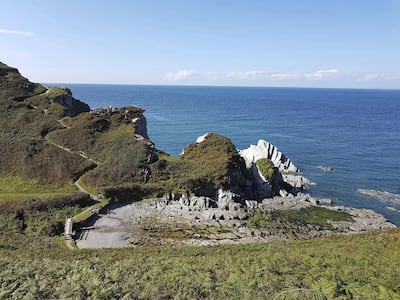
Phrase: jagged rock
{"type": "Point", "coordinates": [263, 149]}
{"type": "Point", "coordinates": [224, 198]}
{"type": "Point", "coordinates": [286, 178]}
{"type": "Point", "coordinates": [296, 181]}
{"type": "Point", "coordinates": [251, 204]}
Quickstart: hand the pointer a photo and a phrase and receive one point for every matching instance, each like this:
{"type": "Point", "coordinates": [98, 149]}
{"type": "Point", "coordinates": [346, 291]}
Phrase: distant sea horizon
{"type": "Point", "coordinates": [63, 84]}
{"type": "Point", "coordinates": [354, 131]}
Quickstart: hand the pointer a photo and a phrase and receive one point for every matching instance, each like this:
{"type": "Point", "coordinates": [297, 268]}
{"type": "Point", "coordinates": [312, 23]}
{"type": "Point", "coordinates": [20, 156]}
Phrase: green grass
{"type": "Point", "coordinates": [296, 221]}
{"type": "Point", "coordinates": [204, 168]}
{"type": "Point", "coordinates": [16, 188]}
{"type": "Point", "coordinates": [312, 215]}
{"type": "Point", "coordinates": [88, 212]}
{"type": "Point", "coordinates": [266, 167]}
{"type": "Point", "coordinates": [363, 266]}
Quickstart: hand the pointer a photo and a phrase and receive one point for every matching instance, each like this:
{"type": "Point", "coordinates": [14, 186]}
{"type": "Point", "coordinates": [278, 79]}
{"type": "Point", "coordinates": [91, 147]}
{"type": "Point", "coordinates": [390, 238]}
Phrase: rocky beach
{"type": "Point", "coordinates": [177, 219]}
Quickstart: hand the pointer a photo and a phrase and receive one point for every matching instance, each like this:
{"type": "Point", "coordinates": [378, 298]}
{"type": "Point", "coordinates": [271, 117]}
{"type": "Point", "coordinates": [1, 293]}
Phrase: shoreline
{"type": "Point", "coordinates": [157, 221]}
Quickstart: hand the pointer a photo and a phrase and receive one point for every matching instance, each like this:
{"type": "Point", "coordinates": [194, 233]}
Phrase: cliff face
{"type": "Point", "coordinates": [48, 135]}
{"type": "Point", "coordinates": [73, 106]}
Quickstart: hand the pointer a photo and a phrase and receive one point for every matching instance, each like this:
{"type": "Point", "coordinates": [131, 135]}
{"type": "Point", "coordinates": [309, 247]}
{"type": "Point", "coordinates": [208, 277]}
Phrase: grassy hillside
{"type": "Point", "coordinates": [15, 87]}
{"type": "Point", "coordinates": [363, 266]}
{"type": "Point", "coordinates": [28, 112]}
{"type": "Point", "coordinates": [16, 188]}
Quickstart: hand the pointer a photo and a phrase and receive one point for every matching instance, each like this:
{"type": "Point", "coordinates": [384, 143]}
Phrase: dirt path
{"type": "Point", "coordinates": [82, 189]}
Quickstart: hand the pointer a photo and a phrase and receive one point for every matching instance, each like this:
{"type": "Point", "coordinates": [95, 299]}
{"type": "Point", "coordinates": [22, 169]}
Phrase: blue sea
{"type": "Point", "coordinates": [356, 132]}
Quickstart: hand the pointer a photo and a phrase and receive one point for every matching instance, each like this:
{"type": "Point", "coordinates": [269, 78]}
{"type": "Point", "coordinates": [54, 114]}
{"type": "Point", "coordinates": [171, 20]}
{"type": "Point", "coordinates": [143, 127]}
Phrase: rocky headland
{"type": "Point", "coordinates": [280, 209]}
{"type": "Point", "coordinates": [212, 193]}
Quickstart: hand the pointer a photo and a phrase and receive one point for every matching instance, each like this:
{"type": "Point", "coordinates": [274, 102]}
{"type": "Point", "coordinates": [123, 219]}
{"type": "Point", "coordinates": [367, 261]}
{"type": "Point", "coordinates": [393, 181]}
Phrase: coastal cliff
{"type": "Point", "coordinates": [54, 142]}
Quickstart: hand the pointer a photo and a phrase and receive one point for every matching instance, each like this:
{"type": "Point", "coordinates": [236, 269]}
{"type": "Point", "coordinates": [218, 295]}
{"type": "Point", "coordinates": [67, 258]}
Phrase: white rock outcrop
{"type": "Point", "coordinates": [288, 176]}
{"type": "Point", "coordinates": [202, 138]}
{"type": "Point", "coordinates": [263, 149]}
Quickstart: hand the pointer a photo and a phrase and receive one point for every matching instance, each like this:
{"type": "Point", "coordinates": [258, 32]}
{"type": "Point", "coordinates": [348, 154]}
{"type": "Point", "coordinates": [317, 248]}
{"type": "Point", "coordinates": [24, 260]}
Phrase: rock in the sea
{"type": "Point", "coordinates": [285, 178]}
{"type": "Point", "coordinates": [384, 196]}
{"type": "Point", "coordinates": [263, 149]}
{"type": "Point", "coordinates": [325, 169]}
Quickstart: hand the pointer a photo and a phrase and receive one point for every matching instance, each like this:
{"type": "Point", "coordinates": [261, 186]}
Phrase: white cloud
{"type": "Point", "coordinates": [368, 77]}
{"type": "Point", "coordinates": [262, 74]}
{"type": "Point", "coordinates": [180, 75]}
{"type": "Point", "coordinates": [321, 74]}
{"type": "Point", "coordinates": [251, 77]}
{"type": "Point", "coordinates": [248, 74]}
{"type": "Point", "coordinates": [285, 76]}
{"type": "Point", "coordinates": [16, 32]}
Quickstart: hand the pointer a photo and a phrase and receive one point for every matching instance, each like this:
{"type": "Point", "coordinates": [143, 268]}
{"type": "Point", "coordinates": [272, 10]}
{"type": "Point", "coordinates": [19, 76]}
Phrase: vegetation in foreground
{"type": "Point", "coordinates": [363, 266]}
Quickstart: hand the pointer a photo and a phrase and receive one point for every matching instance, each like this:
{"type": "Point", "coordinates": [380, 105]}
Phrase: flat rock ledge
{"type": "Point", "coordinates": [161, 221]}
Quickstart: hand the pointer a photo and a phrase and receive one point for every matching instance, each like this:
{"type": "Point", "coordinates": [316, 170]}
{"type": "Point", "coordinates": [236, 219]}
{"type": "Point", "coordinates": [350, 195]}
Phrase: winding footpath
{"type": "Point", "coordinates": [69, 223]}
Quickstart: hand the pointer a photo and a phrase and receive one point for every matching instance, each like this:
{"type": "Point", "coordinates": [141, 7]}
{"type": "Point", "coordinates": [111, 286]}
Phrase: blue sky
{"type": "Point", "coordinates": [341, 43]}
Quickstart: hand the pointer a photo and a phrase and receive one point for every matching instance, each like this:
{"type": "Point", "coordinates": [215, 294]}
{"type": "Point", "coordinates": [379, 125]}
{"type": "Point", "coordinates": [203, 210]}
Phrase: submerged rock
{"type": "Point", "coordinates": [384, 196]}
{"type": "Point", "coordinates": [325, 169]}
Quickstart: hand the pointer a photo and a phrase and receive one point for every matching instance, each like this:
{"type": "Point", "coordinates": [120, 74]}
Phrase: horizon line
{"type": "Point", "coordinates": [222, 86]}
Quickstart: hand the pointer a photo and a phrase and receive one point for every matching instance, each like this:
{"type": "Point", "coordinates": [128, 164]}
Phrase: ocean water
{"type": "Point", "coordinates": [356, 132]}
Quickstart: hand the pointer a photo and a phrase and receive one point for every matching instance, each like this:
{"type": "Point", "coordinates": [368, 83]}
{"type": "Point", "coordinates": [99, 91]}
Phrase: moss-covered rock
{"type": "Point", "coordinates": [207, 166]}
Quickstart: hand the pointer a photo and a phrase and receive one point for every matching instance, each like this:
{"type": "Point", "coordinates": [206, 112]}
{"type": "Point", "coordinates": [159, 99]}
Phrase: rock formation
{"type": "Point", "coordinates": [74, 107]}
{"type": "Point", "coordinates": [325, 169]}
{"type": "Point", "coordinates": [285, 180]}
{"type": "Point", "coordinates": [263, 149]}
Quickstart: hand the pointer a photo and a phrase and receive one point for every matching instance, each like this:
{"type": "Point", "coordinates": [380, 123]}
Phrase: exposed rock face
{"type": "Point", "coordinates": [74, 106]}
{"type": "Point", "coordinates": [286, 178]}
{"type": "Point", "coordinates": [263, 149]}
